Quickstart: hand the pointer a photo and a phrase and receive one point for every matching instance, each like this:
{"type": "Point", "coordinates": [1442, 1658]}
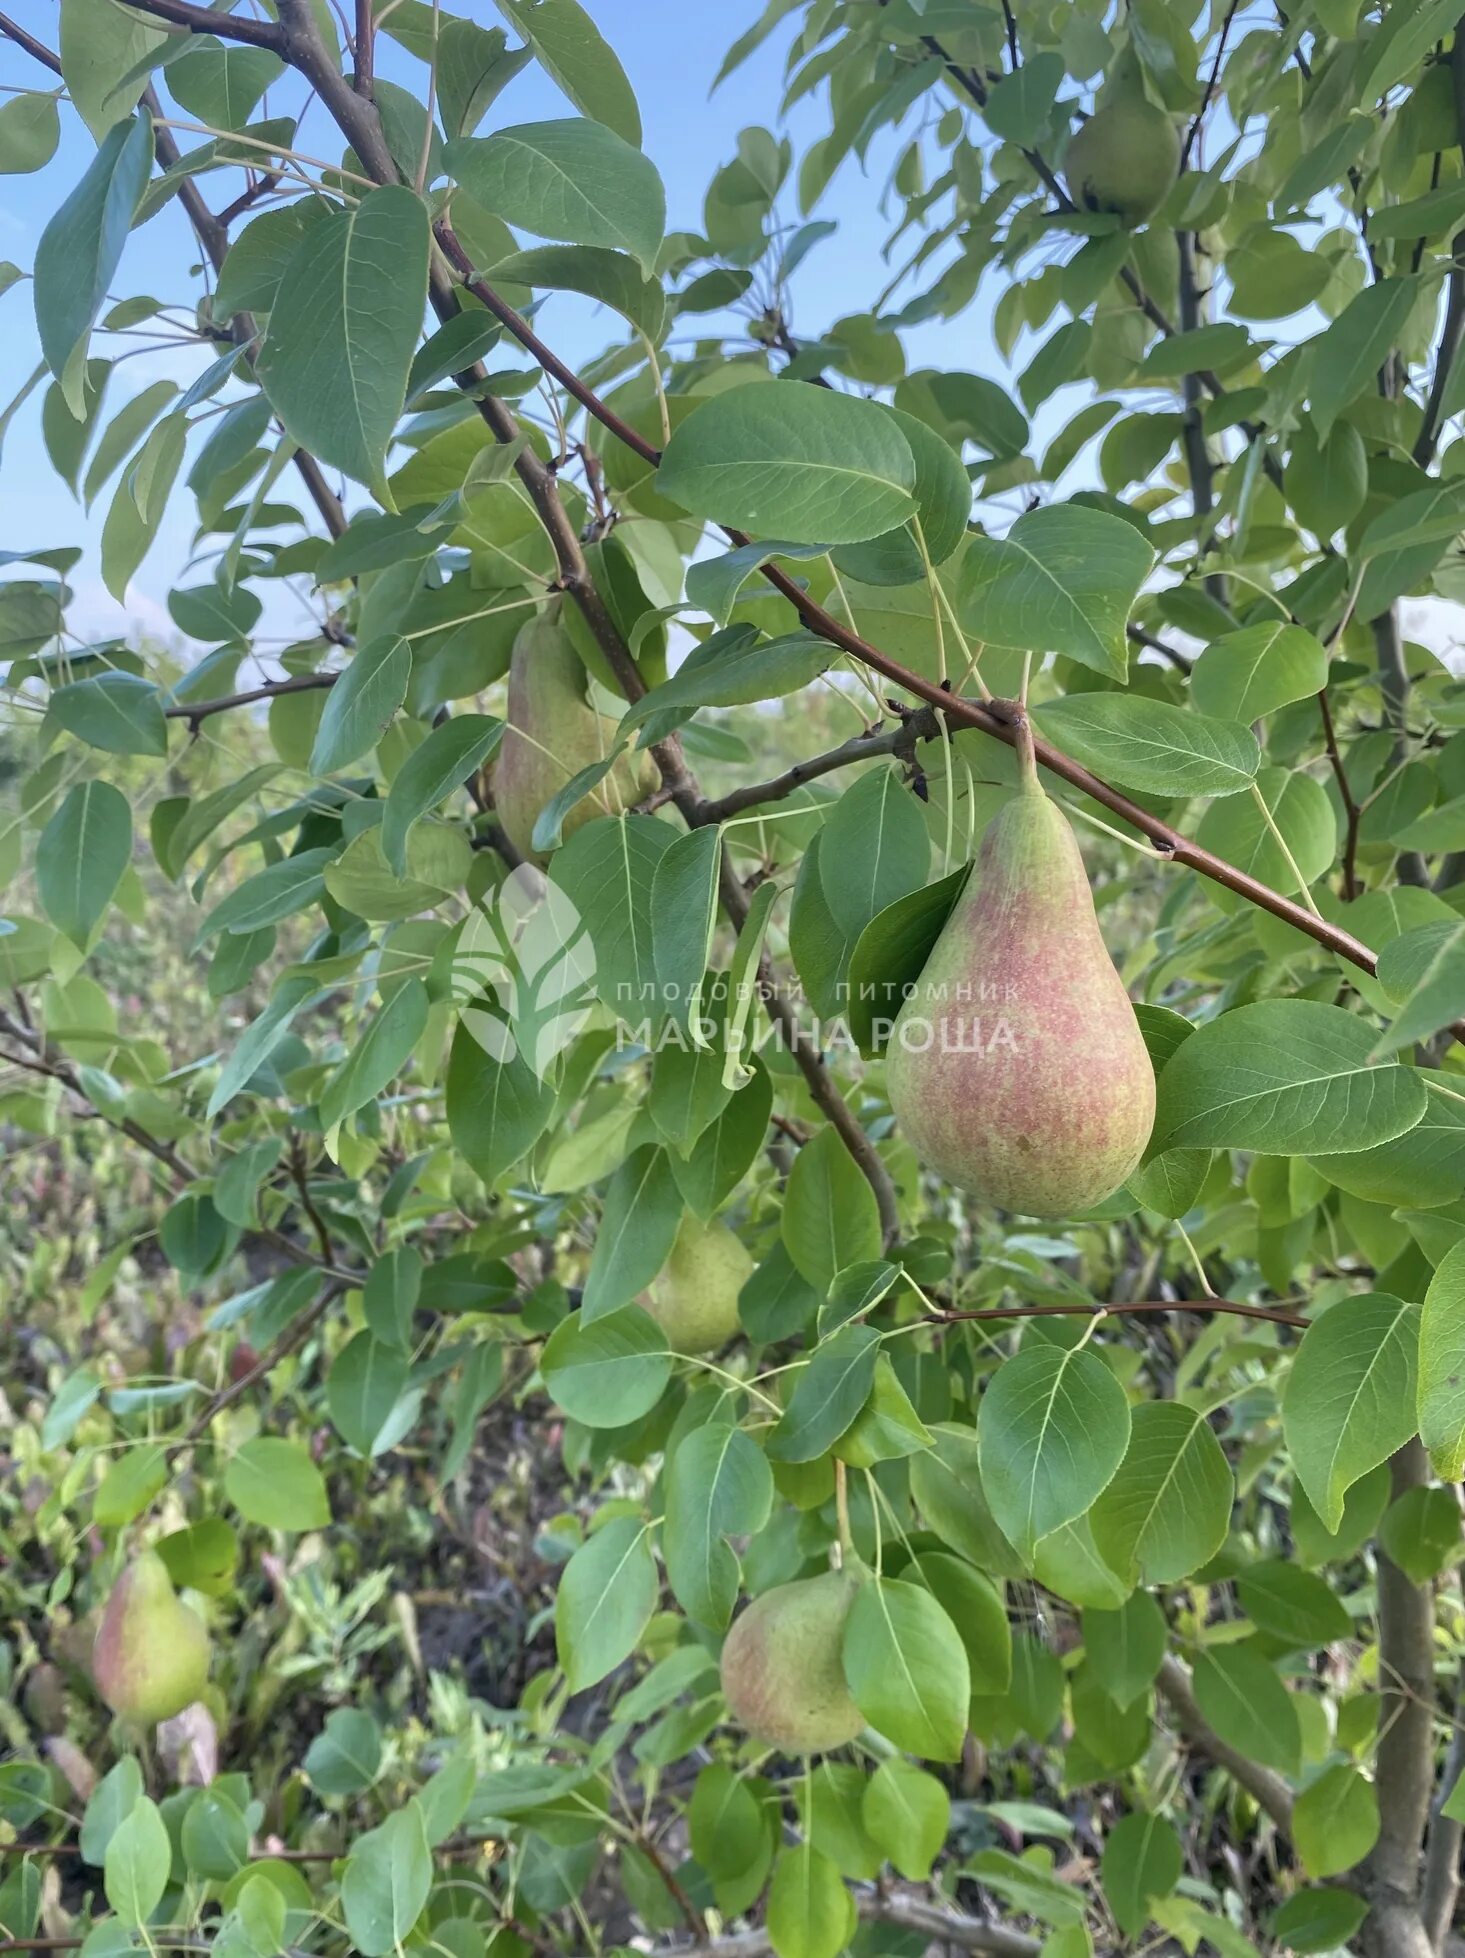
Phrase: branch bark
{"type": "Point", "coordinates": [952, 1928]}
{"type": "Point", "coordinates": [1404, 1769]}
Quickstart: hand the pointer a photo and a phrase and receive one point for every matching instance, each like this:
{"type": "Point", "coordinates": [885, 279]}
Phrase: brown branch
{"type": "Point", "coordinates": [300, 1179]}
{"type": "Point", "coordinates": [899, 740]}
{"type": "Point", "coordinates": [1142, 637]}
{"type": "Point", "coordinates": [294, 1335]}
{"type": "Point", "coordinates": [14, 32]}
{"type": "Point", "coordinates": [203, 20]}
{"type": "Point", "coordinates": [1404, 1765]}
{"type": "Point", "coordinates": [364, 50]}
{"type": "Point", "coordinates": [38, 1059]}
{"type": "Point", "coordinates": [1214, 76]}
{"type": "Point", "coordinates": [1268, 1790]}
{"type": "Point", "coordinates": [1453, 328]}
{"type": "Point", "coordinates": [1125, 1309]}
{"type": "Point", "coordinates": [1350, 804]}
{"type": "Point", "coordinates": [200, 710]}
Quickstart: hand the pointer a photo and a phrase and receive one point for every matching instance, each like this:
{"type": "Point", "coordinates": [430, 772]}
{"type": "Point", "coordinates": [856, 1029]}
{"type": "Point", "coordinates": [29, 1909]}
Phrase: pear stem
{"type": "Point", "coordinates": [841, 1511]}
{"type": "Point", "coordinates": [1027, 761]}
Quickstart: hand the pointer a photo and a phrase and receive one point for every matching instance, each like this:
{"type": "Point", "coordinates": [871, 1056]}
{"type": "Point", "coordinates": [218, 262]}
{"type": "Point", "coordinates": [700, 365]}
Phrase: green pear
{"type": "Point", "coordinates": [1126, 157]}
{"type": "Point", "coordinates": [551, 732]}
{"type": "Point", "coordinates": [783, 1666]}
{"type": "Point", "coordinates": [694, 1297]}
{"type": "Point", "coordinates": [1016, 1067]}
{"type": "Point", "coordinates": [150, 1658]}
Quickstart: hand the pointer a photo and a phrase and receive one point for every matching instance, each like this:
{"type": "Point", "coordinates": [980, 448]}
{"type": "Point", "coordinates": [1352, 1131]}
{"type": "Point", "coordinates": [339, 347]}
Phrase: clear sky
{"type": "Point", "coordinates": [671, 49]}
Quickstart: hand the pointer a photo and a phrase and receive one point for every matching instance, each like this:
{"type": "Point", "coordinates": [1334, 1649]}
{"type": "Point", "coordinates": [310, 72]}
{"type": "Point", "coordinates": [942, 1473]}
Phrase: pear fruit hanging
{"type": "Point", "coordinates": [1126, 157]}
{"type": "Point", "coordinates": [150, 1658]}
{"type": "Point", "coordinates": [551, 733]}
{"type": "Point", "coordinates": [694, 1297]}
{"type": "Point", "coordinates": [783, 1666]}
{"type": "Point", "coordinates": [1016, 1068]}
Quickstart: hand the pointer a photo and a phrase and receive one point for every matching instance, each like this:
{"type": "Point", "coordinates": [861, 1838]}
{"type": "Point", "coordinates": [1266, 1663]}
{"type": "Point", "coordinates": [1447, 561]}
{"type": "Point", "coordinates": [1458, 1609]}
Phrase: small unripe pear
{"type": "Point", "coordinates": [551, 732]}
{"type": "Point", "coordinates": [1125, 160]}
{"type": "Point", "coordinates": [151, 1655]}
{"type": "Point", "coordinates": [694, 1297]}
{"type": "Point", "coordinates": [1016, 1068]}
{"type": "Point", "coordinates": [783, 1666]}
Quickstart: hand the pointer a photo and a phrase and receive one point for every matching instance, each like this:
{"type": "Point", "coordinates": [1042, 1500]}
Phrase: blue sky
{"type": "Point", "coordinates": [671, 52]}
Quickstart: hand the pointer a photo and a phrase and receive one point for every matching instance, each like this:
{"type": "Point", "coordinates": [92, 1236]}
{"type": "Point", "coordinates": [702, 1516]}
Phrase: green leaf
{"type": "Point", "coordinates": [577, 57]}
{"type": "Point", "coordinates": [80, 858]}
{"type": "Point", "coordinates": [378, 1056]}
{"type": "Point", "coordinates": [611, 277]}
{"type": "Point", "coordinates": [81, 246]}
{"type": "Point", "coordinates": [347, 1756]}
{"type": "Point", "coordinates": [874, 849]}
{"type": "Point", "coordinates": [1319, 1920]}
{"type": "Point", "coordinates": [221, 84]}
{"type": "Point", "coordinates": [1442, 1366]}
{"type": "Point", "coordinates": [1052, 1429]}
{"type": "Point", "coordinates": [474, 64]}
{"type": "Point", "coordinates": [259, 255]}
{"type": "Point", "coordinates": [496, 1109]}
{"type": "Point", "coordinates": [274, 1482]}
{"type": "Point", "coordinates": [1286, 1077]}
{"type": "Point", "coordinates": [735, 669]}
{"type": "Point", "coordinates": [810, 1914]}
{"type": "Point", "coordinates": [278, 891]}
{"type": "Point", "coordinates": [1126, 1647]}
{"type": "Point", "coordinates": [343, 328]}
{"type": "Point", "coordinates": [576, 182]}
{"type": "Point", "coordinates": [643, 1208]}
{"type": "Point", "coordinates": [1425, 969]}
{"type": "Point", "coordinates": [1151, 746]}
{"type": "Point", "coordinates": [362, 703]}
{"type": "Point", "coordinates": [908, 1813]}
{"type": "Point", "coordinates": [386, 1882]}
{"type": "Point", "coordinates": [1346, 358]}
{"type": "Point", "coordinates": [1168, 1508]}
{"type": "Point", "coordinates": [1350, 1399]}
{"type": "Point", "coordinates": [713, 583]}
{"type": "Point", "coordinates": [803, 463]}
{"type": "Point", "coordinates": [607, 870]}
{"type": "Point", "coordinates": [683, 913]}
{"type": "Point", "coordinates": [106, 51]}
{"type": "Point", "coordinates": [610, 1372]}
{"type": "Point", "coordinates": [30, 129]}
{"type": "Point", "coordinates": [830, 1217]}
{"type": "Point", "coordinates": [1249, 1707]}
{"type": "Point", "coordinates": [1335, 1821]}
{"type": "Point", "coordinates": [907, 1668]}
{"type": "Point", "coordinates": [1062, 580]}
{"type": "Point", "coordinates": [1245, 675]}
{"type": "Point", "coordinates": [607, 1593]}
{"type": "Point", "coordinates": [717, 1484]}
{"type": "Point", "coordinates": [829, 1391]}
{"type": "Point", "coordinates": [1142, 1861]}
{"type": "Point", "coordinates": [445, 760]}
{"type": "Point", "coordinates": [363, 1386]}
{"type": "Point", "coordinates": [121, 713]}
{"type": "Point", "coordinates": [1247, 834]}
{"type": "Point", "coordinates": [138, 1860]}
{"type": "Point", "coordinates": [1294, 1607]}
{"type": "Point", "coordinates": [1410, 28]}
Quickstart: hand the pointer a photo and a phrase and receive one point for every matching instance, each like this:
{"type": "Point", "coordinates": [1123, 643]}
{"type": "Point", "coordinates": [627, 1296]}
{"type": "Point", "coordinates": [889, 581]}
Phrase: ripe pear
{"type": "Point", "coordinates": [151, 1654]}
{"type": "Point", "coordinates": [694, 1297]}
{"type": "Point", "coordinates": [783, 1669]}
{"type": "Point", "coordinates": [1016, 1068]}
{"type": "Point", "coordinates": [1126, 157]}
{"type": "Point", "coordinates": [551, 732]}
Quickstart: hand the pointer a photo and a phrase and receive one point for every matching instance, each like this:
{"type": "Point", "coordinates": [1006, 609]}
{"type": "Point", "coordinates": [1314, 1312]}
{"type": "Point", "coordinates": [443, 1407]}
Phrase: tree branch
{"type": "Point", "coordinates": [200, 710]}
{"type": "Point", "coordinates": [203, 20]}
{"type": "Point", "coordinates": [1404, 1765]}
{"type": "Point", "coordinates": [1127, 1308]}
{"type": "Point", "coordinates": [364, 51]}
{"type": "Point", "coordinates": [1441, 1885]}
{"type": "Point", "coordinates": [1269, 1790]}
{"type": "Point", "coordinates": [898, 740]}
{"type": "Point", "coordinates": [14, 32]}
